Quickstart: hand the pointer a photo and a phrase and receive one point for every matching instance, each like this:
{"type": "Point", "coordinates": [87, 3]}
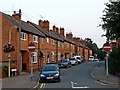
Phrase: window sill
{"type": "Point", "coordinates": [34, 62]}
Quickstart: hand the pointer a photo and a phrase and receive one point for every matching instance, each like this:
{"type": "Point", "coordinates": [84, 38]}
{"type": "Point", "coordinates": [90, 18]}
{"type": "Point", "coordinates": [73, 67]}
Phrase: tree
{"type": "Point", "coordinates": [111, 20]}
{"type": "Point", "coordinates": [91, 45]}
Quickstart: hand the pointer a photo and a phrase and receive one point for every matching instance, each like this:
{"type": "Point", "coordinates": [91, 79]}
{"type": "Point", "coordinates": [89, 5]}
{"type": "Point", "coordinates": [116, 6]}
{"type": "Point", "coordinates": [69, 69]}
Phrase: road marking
{"type": "Point", "coordinates": [100, 83]}
{"type": "Point", "coordinates": [42, 85]}
{"type": "Point", "coordinates": [72, 83]}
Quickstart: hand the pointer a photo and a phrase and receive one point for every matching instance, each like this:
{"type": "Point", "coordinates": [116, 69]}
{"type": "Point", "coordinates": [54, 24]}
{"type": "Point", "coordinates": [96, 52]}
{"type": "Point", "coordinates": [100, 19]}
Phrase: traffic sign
{"type": "Point", "coordinates": [31, 47]}
{"type": "Point", "coordinates": [107, 47]}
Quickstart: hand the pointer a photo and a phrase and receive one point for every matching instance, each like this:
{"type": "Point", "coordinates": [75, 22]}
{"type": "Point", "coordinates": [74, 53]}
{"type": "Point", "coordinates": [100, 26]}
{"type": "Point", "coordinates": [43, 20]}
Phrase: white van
{"type": "Point", "coordinates": [91, 58]}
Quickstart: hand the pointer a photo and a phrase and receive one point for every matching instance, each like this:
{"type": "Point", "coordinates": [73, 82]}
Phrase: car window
{"type": "Point", "coordinates": [72, 58]}
{"type": "Point", "coordinates": [65, 60]}
{"type": "Point", "coordinates": [49, 68]}
{"type": "Point", "coordinates": [78, 57]}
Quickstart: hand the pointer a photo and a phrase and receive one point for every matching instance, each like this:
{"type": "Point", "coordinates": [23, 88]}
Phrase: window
{"type": "Point", "coordinates": [43, 59]}
{"type": "Point", "coordinates": [42, 40]}
{"type": "Point", "coordinates": [53, 43]}
{"type": "Point", "coordinates": [34, 57]}
{"type": "Point", "coordinates": [23, 36]}
{"type": "Point", "coordinates": [58, 43]}
{"type": "Point", "coordinates": [62, 44]}
{"type": "Point", "coordinates": [67, 45]}
{"type": "Point", "coordinates": [47, 40]}
{"type": "Point", "coordinates": [59, 55]}
{"type": "Point", "coordinates": [53, 54]}
{"type": "Point", "coordinates": [35, 39]}
{"type": "Point", "coordinates": [71, 46]}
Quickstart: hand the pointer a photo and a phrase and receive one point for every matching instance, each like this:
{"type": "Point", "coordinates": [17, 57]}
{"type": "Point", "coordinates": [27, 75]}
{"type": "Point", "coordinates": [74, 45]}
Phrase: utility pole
{"type": "Point", "coordinates": [19, 59]}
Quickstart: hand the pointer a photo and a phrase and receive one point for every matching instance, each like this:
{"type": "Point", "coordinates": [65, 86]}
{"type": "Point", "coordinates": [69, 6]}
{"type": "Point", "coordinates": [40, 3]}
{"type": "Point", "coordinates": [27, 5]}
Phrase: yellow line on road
{"type": "Point", "coordinates": [42, 85]}
{"type": "Point", "coordinates": [100, 83]}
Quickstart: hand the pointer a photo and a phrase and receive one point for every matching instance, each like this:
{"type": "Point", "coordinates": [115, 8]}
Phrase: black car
{"type": "Point", "coordinates": [49, 72]}
{"type": "Point", "coordinates": [65, 63]}
{"type": "Point", "coordinates": [54, 64]}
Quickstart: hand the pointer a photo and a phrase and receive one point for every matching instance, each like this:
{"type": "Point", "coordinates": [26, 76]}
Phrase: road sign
{"type": "Point", "coordinates": [31, 47]}
{"type": "Point", "coordinates": [107, 47]}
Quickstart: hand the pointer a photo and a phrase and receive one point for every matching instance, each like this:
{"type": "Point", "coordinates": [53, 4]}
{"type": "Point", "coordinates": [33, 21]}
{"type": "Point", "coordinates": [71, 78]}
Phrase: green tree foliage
{"type": "Point", "coordinates": [101, 54]}
{"type": "Point", "coordinates": [111, 20]}
{"type": "Point", "coordinates": [114, 61]}
{"type": "Point", "coordinates": [91, 45]}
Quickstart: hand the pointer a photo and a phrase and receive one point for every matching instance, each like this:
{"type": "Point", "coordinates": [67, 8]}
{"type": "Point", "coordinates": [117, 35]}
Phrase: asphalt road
{"type": "Point", "coordinates": [79, 75]}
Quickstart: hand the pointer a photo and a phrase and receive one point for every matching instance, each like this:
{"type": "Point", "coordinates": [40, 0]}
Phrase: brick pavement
{"type": "Point", "coordinates": [21, 81]}
{"type": "Point", "coordinates": [99, 73]}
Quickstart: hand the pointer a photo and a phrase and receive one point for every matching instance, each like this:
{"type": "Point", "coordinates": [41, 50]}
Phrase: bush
{"type": "Point", "coordinates": [114, 61]}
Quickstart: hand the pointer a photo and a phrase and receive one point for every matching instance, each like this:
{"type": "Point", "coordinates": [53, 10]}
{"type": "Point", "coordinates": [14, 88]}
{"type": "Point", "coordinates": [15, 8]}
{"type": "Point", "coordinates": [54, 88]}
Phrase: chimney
{"type": "Point", "coordinates": [40, 23]}
{"type": "Point", "coordinates": [62, 31]}
{"type": "Point", "coordinates": [57, 30]}
{"type": "Point", "coordinates": [77, 39]}
{"type": "Point", "coordinates": [54, 28]}
{"type": "Point", "coordinates": [69, 36]}
{"type": "Point", "coordinates": [16, 16]}
{"type": "Point", "coordinates": [44, 24]}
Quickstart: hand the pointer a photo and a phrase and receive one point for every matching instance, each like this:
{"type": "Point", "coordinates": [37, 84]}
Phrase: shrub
{"type": "Point", "coordinates": [114, 61]}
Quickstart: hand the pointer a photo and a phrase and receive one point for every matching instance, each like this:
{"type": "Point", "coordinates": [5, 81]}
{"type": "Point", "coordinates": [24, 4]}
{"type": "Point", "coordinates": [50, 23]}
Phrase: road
{"type": "Point", "coordinates": [80, 75]}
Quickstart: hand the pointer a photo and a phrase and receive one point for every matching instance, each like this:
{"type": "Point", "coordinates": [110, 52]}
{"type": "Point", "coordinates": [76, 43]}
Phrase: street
{"type": "Point", "coordinates": [77, 77]}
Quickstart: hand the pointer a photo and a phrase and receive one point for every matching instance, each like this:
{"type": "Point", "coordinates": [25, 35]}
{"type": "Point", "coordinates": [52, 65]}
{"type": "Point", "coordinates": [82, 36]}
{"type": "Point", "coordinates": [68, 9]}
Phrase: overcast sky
{"type": "Point", "coordinates": [81, 17]}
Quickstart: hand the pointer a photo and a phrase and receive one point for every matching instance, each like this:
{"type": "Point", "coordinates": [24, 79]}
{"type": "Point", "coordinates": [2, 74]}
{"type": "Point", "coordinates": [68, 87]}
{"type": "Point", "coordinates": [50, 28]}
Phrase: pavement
{"type": "Point", "coordinates": [99, 73]}
{"type": "Point", "coordinates": [21, 81]}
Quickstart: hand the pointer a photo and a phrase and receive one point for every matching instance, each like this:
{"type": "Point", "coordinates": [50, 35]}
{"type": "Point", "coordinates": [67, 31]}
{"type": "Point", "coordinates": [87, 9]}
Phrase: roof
{"type": "Point", "coordinates": [44, 31]}
{"type": "Point", "coordinates": [25, 27]}
{"type": "Point", "coordinates": [64, 38]}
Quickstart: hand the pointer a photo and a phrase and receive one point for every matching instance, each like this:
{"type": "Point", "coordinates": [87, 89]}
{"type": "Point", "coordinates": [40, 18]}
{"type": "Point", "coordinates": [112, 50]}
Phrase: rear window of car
{"type": "Point", "coordinates": [65, 60]}
{"type": "Point", "coordinates": [49, 68]}
{"type": "Point", "coordinates": [72, 58]}
{"type": "Point", "coordinates": [78, 57]}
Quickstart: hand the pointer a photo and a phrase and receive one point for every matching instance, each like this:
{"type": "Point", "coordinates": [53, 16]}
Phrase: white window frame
{"type": "Point", "coordinates": [53, 43]}
{"type": "Point", "coordinates": [62, 44]}
{"type": "Point", "coordinates": [42, 40]}
{"type": "Point", "coordinates": [53, 54]}
{"type": "Point", "coordinates": [67, 45]}
{"type": "Point", "coordinates": [59, 56]}
{"type": "Point", "coordinates": [58, 43]}
{"type": "Point", "coordinates": [34, 57]}
{"type": "Point", "coordinates": [23, 36]}
{"type": "Point", "coordinates": [43, 59]}
{"type": "Point", "coordinates": [47, 40]}
{"type": "Point", "coordinates": [35, 38]}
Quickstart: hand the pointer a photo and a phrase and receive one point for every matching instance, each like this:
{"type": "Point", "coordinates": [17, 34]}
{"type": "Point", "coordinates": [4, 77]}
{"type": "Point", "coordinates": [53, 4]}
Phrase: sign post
{"type": "Point", "coordinates": [107, 48]}
{"type": "Point", "coordinates": [31, 48]}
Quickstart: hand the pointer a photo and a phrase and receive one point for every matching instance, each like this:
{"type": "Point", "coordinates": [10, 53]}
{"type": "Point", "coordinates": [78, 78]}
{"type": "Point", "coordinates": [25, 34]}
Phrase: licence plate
{"type": "Point", "coordinates": [49, 77]}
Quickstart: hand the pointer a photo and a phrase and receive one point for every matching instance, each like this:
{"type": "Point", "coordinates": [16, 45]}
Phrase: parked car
{"type": "Point", "coordinates": [82, 59]}
{"type": "Point", "coordinates": [65, 63]}
{"type": "Point", "coordinates": [91, 58]}
{"type": "Point", "coordinates": [78, 58]}
{"type": "Point", "coordinates": [54, 64]}
{"type": "Point", "coordinates": [49, 72]}
{"type": "Point", "coordinates": [73, 61]}
{"type": "Point", "coordinates": [97, 60]}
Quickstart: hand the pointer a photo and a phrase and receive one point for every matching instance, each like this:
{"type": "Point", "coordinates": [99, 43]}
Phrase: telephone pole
{"type": "Point", "coordinates": [19, 55]}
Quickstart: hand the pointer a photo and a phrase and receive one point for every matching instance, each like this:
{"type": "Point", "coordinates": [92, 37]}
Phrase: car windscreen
{"type": "Point", "coordinates": [72, 58]}
{"type": "Point", "coordinates": [78, 57]}
{"type": "Point", "coordinates": [65, 60]}
{"type": "Point", "coordinates": [49, 68]}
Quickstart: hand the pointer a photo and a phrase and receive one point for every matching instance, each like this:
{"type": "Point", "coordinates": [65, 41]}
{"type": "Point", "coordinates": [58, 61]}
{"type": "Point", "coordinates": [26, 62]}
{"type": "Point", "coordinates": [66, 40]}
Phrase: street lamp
{"type": "Point", "coordinates": [9, 52]}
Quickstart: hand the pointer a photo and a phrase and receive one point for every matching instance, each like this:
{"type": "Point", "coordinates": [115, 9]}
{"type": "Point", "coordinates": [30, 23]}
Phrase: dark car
{"type": "Point", "coordinates": [64, 63]}
{"type": "Point", "coordinates": [54, 64]}
{"type": "Point", "coordinates": [49, 72]}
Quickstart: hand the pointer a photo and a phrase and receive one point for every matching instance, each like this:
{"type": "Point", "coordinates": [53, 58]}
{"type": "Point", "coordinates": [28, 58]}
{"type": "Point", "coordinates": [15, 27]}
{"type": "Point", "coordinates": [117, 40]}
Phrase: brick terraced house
{"type": "Point", "coordinates": [51, 45]}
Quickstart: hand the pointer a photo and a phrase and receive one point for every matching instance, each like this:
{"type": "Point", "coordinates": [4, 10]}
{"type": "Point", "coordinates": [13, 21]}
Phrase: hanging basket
{"type": "Point", "coordinates": [8, 48]}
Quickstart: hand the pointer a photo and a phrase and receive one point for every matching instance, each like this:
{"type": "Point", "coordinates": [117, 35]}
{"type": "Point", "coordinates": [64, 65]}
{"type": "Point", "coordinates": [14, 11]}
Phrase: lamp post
{"type": "Point", "coordinates": [9, 52]}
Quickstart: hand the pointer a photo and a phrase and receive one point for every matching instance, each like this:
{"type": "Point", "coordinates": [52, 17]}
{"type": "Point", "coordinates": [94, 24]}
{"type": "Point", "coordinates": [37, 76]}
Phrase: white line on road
{"type": "Point", "coordinates": [72, 83]}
